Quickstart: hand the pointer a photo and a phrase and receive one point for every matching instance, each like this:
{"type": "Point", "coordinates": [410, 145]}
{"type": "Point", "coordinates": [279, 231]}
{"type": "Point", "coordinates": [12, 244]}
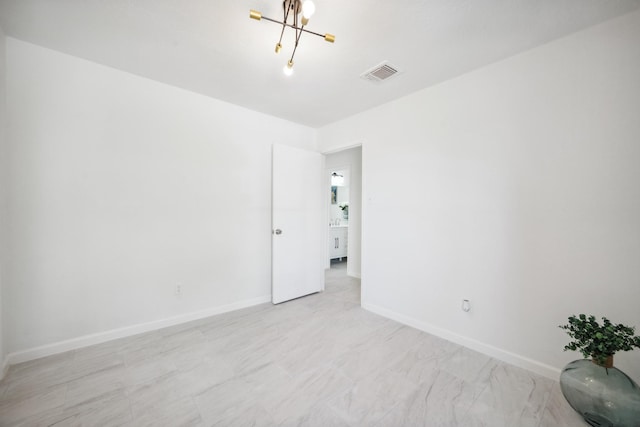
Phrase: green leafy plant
{"type": "Point", "coordinates": [599, 341]}
{"type": "Point", "coordinates": [344, 206]}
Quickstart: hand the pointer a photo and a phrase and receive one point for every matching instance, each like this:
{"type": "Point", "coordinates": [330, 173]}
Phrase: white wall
{"type": "Point", "coordinates": [121, 187]}
{"type": "Point", "coordinates": [519, 190]}
{"type": "Point", "coordinates": [351, 158]}
{"type": "Point", "coordinates": [3, 195]}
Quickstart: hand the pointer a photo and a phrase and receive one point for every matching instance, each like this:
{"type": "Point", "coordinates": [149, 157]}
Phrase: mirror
{"type": "Point", "coordinates": [339, 207]}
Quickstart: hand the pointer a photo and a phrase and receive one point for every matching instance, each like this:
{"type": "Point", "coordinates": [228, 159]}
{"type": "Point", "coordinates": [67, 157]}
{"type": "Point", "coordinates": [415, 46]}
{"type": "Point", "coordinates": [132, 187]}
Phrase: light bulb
{"type": "Point", "coordinates": [337, 180]}
{"type": "Point", "coordinates": [308, 9]}
{"type": "Point", "coordinates": [288, 69]}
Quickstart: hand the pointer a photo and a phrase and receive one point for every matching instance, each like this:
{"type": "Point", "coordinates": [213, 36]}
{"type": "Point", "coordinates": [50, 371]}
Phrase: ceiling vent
{"type": "Point", "coordinates": [380, 72]}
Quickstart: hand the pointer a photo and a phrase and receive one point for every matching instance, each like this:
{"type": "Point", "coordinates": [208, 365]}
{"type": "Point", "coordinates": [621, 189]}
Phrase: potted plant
{"type": "Point", "coordinates": [601, 393]}
{"type": "Point", "coordinates": [345, 209]}
{"type": "Point", "coordinates": [600, 342]}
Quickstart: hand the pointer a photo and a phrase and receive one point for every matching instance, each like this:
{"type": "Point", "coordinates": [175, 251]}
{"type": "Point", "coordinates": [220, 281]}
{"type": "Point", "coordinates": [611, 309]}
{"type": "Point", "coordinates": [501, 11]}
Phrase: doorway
{"type": "Point", "coordinates": [343, 175]}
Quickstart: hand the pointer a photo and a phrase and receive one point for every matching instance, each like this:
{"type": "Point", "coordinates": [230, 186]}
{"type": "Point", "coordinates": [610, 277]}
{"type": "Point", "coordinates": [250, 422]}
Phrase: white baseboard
{"type": "Point", "coordinates": [87, 340]}
{"type": "Point", "coordinates": [495, 352]}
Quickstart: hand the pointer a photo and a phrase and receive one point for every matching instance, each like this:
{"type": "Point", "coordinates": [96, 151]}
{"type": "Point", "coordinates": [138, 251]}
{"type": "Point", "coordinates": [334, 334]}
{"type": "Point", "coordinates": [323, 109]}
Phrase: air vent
{"type": "Point", "coordinates": [380, 72]}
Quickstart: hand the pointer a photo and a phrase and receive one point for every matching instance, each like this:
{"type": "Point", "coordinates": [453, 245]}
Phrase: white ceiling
{"type": "Point", "coordinates": [213, 48]}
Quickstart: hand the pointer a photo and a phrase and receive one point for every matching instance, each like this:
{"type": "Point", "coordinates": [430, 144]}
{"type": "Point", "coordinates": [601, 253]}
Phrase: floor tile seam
{"type": "Point", "coordinates": [66, 397]}
{"type": "Point", "coordinates": [360, 377]}
{"type": "Point", "coordinates": [78, 409]}
{"type": "Point", "coordinates": [476, 375]}
{"type": "Point", "coordinates": [148, 383]}
{"type": "Point", "coordinates": [392, 361]}
{"type": "Point", "coordinates": [62, 418]}
{"type": "Point", "coordinates": [130, 409]}
{"type": "Point", "coordinates": [322, 368]}
{"type": "Point", "coordinates": [123, 351]}
{"type": "Point", "coordinates": [381, 419]}
{"type": "Point", "coordinates": [171, 351]}
{"type": "Point", "coordinates": [18, 399]}
{"type": "Point", "coordinates": [335, 296]}
{"type": "Point", "coordinates": [375, 329]}
{"type": "Point", "coordinates": [242, 316]}
{"type": "Point", "coordinates": [129, 362]}
{"type": "Point", "coordinates": [195, 400]}
{"type": "Point", "coordinates": [202, 412]}
{"type": "Point", "coordinates": [195, 405]}
{"type": "Point", "coordinates": [218, 384]}
{"type": "Point", "coordinates": [250, 330]}
{"type": "Point", "coordinates": [346, 417]}
{"type": "Point", "coordinates": [335, 414]}
{"type": "Point", "coordinates": [293, 375]}
{"type": "Point", "coordinates": [438, 372]}
{"type": "Point", "coordinates": [114, 354]}
{"type": "Point", "coordinates": [243, 375]}
{"type": "Point", "coordinates": [145, 405]}
{"type": "Point", "coordinates": [537, 416]}
{"type": "Point", "coordinates": [181, 328]}
{"type": "Point", "coordinates": [309, 401]}
{"type": "Point", "coordinates": [83, 412]}
{"type": "Point", "coordinates": [160, 355]}
{"type": "Point", "coordinates": [322, 371]}
{"type": "Point", "coordinates": [546, 403]}
{"type": "Point", "coordinates": [97, 372]}
{"type": "Point", "coordinates": [476, 396]}
{"type": "Point", "coordinates": [120, 353]}
{"type": "Point", "coordinates": [155, 417]}
{"type": "Point", "coordinates": [463, 419]}
{"type": "Point", "coordinates": [535, 385]}
{"type": "Point", "coordinates": [181, 337]}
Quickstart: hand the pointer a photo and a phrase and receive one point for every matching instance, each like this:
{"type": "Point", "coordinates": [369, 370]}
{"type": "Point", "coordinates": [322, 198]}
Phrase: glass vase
{"type": "Point", "coordinates": [603, 396]}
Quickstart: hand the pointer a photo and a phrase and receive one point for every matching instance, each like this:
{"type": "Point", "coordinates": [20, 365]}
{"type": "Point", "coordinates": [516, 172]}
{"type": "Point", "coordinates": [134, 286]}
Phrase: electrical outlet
{"type": "Point", "coordinates": [178, 290]}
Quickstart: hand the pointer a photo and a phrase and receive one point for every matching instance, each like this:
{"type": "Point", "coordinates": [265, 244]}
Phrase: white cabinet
{"type": "Point", "coordinates": [338, 242]}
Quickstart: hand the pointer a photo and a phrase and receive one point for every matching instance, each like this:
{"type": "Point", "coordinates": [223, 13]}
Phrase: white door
{"type": "Point", "coordinates": [298, 223]}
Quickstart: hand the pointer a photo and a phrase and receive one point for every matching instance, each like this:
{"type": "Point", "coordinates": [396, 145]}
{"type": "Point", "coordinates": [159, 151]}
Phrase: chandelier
{"type": "Point", "coordinates": [293, 8]}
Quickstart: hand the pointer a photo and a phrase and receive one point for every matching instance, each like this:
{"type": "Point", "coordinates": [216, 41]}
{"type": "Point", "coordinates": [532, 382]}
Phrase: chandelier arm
{"type": "Point", "coordinates": [295, 22]}
{"type": "Point", "coordinates": [281, 34]}
{"type": "Point", "coordinates": [286, 17]}
{"type": "Point", "coordinates": [296, 45]}
{"type": "Point", "coordinates": [294, 27]}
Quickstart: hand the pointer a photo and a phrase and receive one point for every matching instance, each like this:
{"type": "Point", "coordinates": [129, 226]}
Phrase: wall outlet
{"type": "Point", "coordinates": [178, 290]}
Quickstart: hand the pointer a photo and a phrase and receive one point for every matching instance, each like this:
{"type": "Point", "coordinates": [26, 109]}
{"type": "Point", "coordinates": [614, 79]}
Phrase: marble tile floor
{"type": "Point", "coordinates": [316, 361]}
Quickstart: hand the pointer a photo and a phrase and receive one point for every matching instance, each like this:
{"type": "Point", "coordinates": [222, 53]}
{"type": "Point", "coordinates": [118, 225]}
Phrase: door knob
{"type": "Point", "coordinates": [277, 231]}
